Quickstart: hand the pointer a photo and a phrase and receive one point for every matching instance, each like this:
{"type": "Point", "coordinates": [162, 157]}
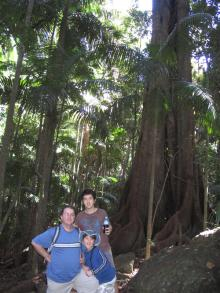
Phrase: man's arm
{"type": "Point", "coordinates": [42, 251]}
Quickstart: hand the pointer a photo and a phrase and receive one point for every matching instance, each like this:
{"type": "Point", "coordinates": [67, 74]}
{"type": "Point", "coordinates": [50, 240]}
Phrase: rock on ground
{"type": "Point", "coordinates": [125, 262]}
{"type": "Point", "coordinates": [193, 268]}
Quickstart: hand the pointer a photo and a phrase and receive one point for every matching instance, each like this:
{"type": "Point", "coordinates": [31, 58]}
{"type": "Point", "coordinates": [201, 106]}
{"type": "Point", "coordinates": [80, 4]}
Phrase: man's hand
{"type": "Point", "coordinates": [108, 230]}
{"type": "Point", "coordinates": [42, 251]}
{"type": "Point", "coordinates": [47, 257]}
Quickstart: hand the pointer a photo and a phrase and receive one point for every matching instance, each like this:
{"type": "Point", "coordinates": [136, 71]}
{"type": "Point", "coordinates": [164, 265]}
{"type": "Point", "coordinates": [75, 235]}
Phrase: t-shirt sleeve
{"type": "Point", "coordinates": [45, 239]}
{"type": "Point", "coordinates": [77, 220]}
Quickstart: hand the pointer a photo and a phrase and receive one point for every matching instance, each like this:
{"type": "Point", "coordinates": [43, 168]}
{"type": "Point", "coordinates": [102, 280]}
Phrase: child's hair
{"type": "Point", "coordinates": [91, 233]}
{"type": "Point", "coordinates": [92, 236]}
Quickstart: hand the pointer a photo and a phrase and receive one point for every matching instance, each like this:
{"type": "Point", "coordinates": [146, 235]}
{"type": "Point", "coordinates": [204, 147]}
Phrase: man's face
{"type": "Point", "coordinates": [88, 201]}
{"type": "Point", "coordinates": [68, 216]}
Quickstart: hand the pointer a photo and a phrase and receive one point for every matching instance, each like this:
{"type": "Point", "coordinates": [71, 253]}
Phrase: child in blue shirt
{"type": "Point", "coordinates": [96, 263]}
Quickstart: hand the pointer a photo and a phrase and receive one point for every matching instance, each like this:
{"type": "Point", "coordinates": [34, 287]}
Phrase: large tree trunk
{"type": "Point", "coordinates": [174, 143]}
{"type": "Point", "coordinates": [187, 217]}
{"type": "Point", "coordinates": [9, 127]}
{"type": "Point", "coordinates": [131, 221]}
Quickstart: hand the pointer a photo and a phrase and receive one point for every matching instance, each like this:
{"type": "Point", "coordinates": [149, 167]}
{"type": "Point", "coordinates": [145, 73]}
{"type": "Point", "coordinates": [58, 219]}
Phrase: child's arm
{"type": "Point", "coordinates": [99, 261]}
{"type": "Point", "coordinates": [87, 270]}
{"type": "Point", "coordinates": [82, 258]}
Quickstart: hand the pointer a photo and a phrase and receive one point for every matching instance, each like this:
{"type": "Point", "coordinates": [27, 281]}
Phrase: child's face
{"type": "Point", "coordinates": [88, 241]}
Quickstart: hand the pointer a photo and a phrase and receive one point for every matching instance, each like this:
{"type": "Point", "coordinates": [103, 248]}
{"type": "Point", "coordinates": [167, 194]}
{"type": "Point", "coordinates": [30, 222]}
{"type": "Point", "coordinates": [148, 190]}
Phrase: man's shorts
{"type": "Point", "coordinates": [82, 283]}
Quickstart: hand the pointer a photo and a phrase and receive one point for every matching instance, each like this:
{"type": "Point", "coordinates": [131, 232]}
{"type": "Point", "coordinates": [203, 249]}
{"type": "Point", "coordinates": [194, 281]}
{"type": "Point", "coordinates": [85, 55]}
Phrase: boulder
{"type": "Point", "coordinates": [125, 262]}
{"type": "Point", "coordinates": [192, 268]}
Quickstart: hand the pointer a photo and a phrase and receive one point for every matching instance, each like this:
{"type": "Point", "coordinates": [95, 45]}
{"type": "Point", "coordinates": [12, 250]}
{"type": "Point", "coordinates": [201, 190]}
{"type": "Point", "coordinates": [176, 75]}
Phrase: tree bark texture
{"type": "Point", "coordinates": [179, 212]}
{"type": "Point", "coordinates": [186, 220]}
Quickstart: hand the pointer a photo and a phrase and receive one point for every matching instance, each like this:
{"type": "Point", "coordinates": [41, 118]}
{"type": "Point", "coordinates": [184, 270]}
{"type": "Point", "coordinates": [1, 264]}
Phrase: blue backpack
{"type": "Point", "coordinates": [55, 237]}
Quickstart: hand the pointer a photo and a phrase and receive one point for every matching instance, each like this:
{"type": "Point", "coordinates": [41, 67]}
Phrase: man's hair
{"type": "Point", "coordinates": [88, 191]}
{"type": "Point", "coordinates": [66, 207]}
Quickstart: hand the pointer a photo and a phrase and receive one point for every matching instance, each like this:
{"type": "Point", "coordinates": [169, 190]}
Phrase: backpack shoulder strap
{"type": "Point", "coordinates": [55, 237]}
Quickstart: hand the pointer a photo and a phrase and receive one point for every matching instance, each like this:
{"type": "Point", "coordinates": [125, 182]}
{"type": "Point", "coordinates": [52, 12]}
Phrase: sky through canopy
{"type": "Point", "coordinates": [123, 5]}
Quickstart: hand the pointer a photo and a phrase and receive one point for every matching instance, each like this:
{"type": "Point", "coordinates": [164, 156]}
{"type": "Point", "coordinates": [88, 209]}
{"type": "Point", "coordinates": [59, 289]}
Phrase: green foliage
{"type": "Point", "coordinates": [94, 145]}
{"type": "Point", "coordinates": [197, 94]}
{"type": "Point", "coordinates": [180, 31]}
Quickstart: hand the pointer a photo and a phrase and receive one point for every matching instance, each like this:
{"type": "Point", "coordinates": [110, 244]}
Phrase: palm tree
{"type": "Point", "coordinates": [9, 128]}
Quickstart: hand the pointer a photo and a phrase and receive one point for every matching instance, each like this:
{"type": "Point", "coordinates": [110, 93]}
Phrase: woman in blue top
{"type": "Point", "coordinates": [96, 263]}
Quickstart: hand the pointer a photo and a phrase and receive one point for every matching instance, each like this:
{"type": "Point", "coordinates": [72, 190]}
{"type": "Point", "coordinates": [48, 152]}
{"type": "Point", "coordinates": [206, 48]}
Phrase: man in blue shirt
{"type": "Point", "coordinates": [63, 263]}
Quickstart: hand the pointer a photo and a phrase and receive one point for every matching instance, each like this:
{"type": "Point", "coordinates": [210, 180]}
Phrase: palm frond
{"type": "Point", "coordinates": [197, 19]}
{"type": "Point", "coordinates": [5, 89]}
{"type": "Point", "coordinates": [86, 25]}
{"type": "Point", "coordinates": [73, 91]}
{"type": "Point", "coordinates": [195, 92]}
{"type": "Point", "coordinates": [120, 54]}
{"type": "Point", "coordinates": [98, 86]}
{"type": "Point", "coordinates": [108, 197]}
{"type": "Point", "coordinates": [90, 2]}
{"type": "Point", "coordinates": [40, 99]}
{"type": "Point", "coordinates": [92, 115]}
{"type": "Point", "coordinates": [6, 84]}
{"type": "Point", "coordinates": [123, 107]}
{"type": "Point", "coordinates": [85, 114]}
